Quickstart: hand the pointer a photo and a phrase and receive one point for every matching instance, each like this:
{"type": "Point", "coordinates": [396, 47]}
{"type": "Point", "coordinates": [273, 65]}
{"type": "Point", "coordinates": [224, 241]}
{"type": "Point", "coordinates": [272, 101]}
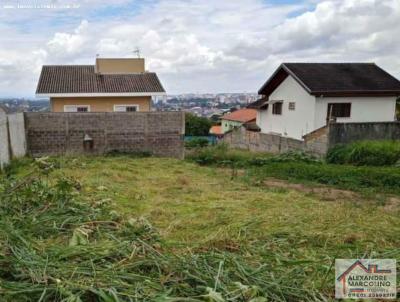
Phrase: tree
{"type": "Point", "coordinates": [197, 126]}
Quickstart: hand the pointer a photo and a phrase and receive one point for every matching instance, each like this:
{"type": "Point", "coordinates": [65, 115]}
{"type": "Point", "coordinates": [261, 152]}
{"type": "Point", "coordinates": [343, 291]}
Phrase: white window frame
{"type": "Point", "coordinates": [123, 105]}
{"type": "Point", "coordinates": [74, 108]}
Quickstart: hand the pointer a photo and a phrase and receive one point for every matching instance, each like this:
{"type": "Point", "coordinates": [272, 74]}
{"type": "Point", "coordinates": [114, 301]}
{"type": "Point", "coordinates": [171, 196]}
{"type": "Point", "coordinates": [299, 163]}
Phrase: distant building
{"type": "Point", "coordinates": [217, 131]}
{"type": "Point", "coordinates": [119, 85]}
{"type": "Point", "coordinates": [237, 119]}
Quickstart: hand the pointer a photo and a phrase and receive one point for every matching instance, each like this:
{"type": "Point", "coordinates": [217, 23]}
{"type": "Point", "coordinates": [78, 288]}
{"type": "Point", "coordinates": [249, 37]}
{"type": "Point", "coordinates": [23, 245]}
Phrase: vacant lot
{"type": "Point", "coordinates": [195, 206]}
{"type": "Point", "coordinates": [290, 234]}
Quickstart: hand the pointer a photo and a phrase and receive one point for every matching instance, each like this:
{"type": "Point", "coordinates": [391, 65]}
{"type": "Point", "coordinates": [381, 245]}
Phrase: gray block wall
{"type": "Point", "coordinates": [263, 142]}
{"type": "Point", "coordinates": [16, 131]}
{"type": "Point", "coordinates": [317, 142]}
{"type": "Point", "coordinates": [4, 145]}
{"type": "Point", "coordinates": [340, 133]}
{"type": "Point", "coordinates": [159, 133]}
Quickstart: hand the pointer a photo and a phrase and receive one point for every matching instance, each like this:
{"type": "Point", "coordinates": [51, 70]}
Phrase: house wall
{"type": "Point", "coordinates": [101, 104]}
{"type": "Point", "coordinates": [294, 123]}
{"type": "Point", "coordinates": [363, 109]}
{"type": "Point", "coordinates": [229, 125]}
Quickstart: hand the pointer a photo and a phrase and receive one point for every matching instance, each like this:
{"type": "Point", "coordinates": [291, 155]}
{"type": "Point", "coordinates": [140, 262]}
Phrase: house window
{"type": "Point", "coordinates": [126, 108]}
{"type": "Point", "coordinates": [292, 106]}
{"type": "Point", "coordinates": [131, 109]}
{"type": "Point", "coordinates": [82, 109]}
{"type": "Point", "coordinates": [338, 110]}
{"type": "Point", "coordinates": [76, 108]}
{"type": "Point", "coordinates": [277, 108]}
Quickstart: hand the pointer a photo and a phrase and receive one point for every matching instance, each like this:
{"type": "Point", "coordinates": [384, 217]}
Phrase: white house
{"type": "Point", "coordinates": [302, 97]}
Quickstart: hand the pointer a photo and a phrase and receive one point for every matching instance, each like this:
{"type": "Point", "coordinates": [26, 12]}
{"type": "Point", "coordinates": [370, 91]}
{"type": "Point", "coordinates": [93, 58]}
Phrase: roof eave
{"type": "Point", "coordinates": [364, 93]}
{"type": "Point", "coordinates": [289, 72]}
{"type": "Point", "coordinates": [239, 121]}
{"type": "Point", "coordinates": [270, 79]}
{"type": "Point", "coordinates": [259, 104]}
{"type": "Point", "coordinates": [109, 94]}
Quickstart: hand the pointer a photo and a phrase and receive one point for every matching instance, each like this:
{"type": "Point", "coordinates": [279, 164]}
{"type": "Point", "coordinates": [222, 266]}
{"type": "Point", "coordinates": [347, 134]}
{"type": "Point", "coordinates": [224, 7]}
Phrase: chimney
{"type": "Point", "coordinates": [119, 65]}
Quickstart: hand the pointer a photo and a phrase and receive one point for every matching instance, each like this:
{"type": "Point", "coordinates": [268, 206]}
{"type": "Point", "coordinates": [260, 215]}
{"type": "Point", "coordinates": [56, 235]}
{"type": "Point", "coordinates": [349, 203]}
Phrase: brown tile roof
{"type": "Point", "coordinates": [83, 79]}
{"type": "Point", "coordinates": [241, 115]}
{"type": "Point", "coordinates": [336, 79]}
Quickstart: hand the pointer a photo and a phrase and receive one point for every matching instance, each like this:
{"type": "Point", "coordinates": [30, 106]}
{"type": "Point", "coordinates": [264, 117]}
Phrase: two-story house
{"type": "Point", "coordinates": [111, 85]}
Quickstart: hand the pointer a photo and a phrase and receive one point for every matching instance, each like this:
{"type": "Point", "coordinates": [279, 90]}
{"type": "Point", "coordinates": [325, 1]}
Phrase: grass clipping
{"type": "Point", "coordinates": [56, 247]}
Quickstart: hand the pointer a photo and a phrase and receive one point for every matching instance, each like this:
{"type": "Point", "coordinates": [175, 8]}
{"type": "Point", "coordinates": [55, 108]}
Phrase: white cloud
{"type": "Point", "coordinates": [209, 46]}
{"type": "Point", "coordinates": [65, 45]}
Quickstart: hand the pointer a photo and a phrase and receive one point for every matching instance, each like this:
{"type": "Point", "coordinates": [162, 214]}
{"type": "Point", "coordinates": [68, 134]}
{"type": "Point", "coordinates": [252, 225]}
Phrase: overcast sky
{"type": "Point", "coordinates": [196, 45]}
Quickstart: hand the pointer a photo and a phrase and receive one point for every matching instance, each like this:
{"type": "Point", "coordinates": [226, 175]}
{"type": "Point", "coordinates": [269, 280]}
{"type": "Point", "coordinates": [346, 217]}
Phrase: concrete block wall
{"type": "Point", "coordinates": [4, 141]}
{"type": "Point", "coordinates": [263, 142]}
{"type": "Point", "coordinates": [344, 133]}
{"type": "Point", "coordinates": [160, 133]}
{"type": "Point", "coordinates": [16, 131]}
{"type": "Point", "coordinates": [317, 142]}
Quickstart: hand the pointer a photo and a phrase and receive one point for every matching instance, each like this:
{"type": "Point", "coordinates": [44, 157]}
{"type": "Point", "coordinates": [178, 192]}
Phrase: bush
{"type": "Point", "coordinates": [199, 142]}
{"type": "Point", "coordinates": [291, 156]}
{"type": "Point", "coordinates": [222, 155]}
{"type": "Point", "coordinates": [366, 153]}
{"type": "Point", "coordinates": [197, 126]}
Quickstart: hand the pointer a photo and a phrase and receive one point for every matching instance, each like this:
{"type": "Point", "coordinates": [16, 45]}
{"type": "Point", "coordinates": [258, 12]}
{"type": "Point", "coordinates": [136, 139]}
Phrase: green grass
{"type": "Point", "coordinates": [367, 180]}
{"type": "Point", "coordinates": [238, 238]}
{"type": "Point", "coordinates": [366, 153]}
{"type": "Point", "coordinates": [302, 168]}
{"type": "Point", "coordinates": [194, 205]}
{"type": "Point", "coordinates": [223, 156]}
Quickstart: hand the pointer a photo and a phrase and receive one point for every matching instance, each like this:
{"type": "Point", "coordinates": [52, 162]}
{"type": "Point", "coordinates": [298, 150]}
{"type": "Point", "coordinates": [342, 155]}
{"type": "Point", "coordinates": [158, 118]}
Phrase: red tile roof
{"type": "Point", "coordinates": [241, 115]}
{"type": "Point", "coordinates": [217, 130]}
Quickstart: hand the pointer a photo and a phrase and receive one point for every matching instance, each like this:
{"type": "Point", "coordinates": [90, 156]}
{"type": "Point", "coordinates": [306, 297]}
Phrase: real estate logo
{"type": "Point", "coordinates": [365, 279]}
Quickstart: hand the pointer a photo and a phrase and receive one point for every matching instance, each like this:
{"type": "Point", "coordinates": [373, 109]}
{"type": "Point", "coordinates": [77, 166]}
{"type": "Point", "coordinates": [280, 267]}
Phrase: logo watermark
{"type": "Point", "coordinates": [365, 279]}
{"type": "Point", "coordinates": [39, 4]}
